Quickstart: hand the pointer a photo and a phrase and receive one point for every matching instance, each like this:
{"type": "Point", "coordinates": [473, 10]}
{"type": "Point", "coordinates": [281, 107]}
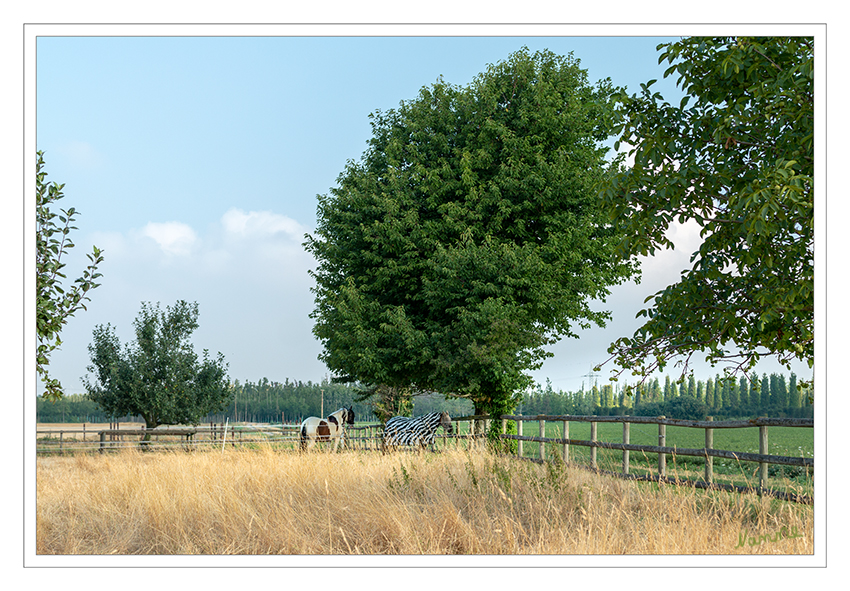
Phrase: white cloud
{"type": "Point", "coordinates": [261, 224]}
{"type": "Point", "coordinates": [174, 238]}
{"type": "Point", "coordinates": [665, 266]}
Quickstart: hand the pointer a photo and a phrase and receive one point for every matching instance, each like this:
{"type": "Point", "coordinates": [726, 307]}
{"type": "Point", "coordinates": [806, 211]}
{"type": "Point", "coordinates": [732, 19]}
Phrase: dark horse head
{"type": "Point", "coordinates": [446, 422]}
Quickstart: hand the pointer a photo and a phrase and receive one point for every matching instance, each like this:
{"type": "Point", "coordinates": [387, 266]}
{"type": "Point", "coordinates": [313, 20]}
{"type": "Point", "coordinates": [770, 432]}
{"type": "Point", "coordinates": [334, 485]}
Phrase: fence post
{"type": "Point", "coordinates": [519, 433]}
{"type": "Point", "coordinates": [762, 465]}
{"type": "Point", "coordinates": [709, 460]}
{"type": "Point", "coordinates": [542, 423]}
{"type": "Point", "coordinates": [102, 441]}
{"type": "Point", "coordinates": [662, 442]}
{"type": "Point", "coordinates": [593, 448]}
{"type": "Point", "coordinates": [566, 445]}
{"type": "Point", "coordinates": [626, 426]}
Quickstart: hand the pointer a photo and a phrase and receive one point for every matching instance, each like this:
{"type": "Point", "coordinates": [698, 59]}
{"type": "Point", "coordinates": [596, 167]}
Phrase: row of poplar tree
{"type": "Point", "coordinates": [772, 395]}
{"type": "Point", "coordinates": [267, 401]}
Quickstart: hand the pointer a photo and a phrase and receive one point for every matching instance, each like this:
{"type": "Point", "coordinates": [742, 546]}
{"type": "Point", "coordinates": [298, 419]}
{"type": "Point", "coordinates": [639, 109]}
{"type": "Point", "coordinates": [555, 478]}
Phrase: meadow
{"type": "Point", "coordinates": [266, 501]}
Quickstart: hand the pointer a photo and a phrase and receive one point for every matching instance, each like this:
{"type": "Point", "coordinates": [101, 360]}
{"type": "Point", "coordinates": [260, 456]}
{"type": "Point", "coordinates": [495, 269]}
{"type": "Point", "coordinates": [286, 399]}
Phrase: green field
{"type": "Point", "coordinates": [785, 441]}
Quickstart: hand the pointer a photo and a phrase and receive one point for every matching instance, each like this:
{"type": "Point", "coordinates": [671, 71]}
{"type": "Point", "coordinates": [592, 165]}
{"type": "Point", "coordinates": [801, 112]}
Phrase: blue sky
{"type": "Point", "coordinates": [195, 163]}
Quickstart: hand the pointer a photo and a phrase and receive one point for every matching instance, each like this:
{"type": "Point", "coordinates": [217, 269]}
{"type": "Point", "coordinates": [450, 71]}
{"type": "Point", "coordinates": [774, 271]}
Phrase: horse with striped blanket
{"type": "Point", "coordinates": [419, 431]}
{"type": "Point", "coordinates": [314, 429]}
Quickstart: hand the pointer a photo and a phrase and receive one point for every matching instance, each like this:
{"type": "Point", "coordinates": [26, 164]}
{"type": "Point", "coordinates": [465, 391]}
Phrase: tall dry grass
{"type": "Point", "coordinates": [456, 502]}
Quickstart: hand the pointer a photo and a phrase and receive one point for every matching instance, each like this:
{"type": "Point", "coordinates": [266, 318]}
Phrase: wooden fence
{"type": "Point", "coordinates": [662, 450]}
{"type": "Point", "coordinates": [51, 441]}
{"type": "Point", "coordinates": [470, 430]}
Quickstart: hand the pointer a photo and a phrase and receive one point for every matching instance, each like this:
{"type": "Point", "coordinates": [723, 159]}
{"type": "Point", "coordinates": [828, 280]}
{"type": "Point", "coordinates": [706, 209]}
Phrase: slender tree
{"type": "Point", "coordinates": [743, 392]}
{"type": "Point", "coordinates": [794, 398]}
{"type": "Point", "coordinates": [781, 391]}
{"type": "Point", "coordinates": [734, 400]}
{"type": "Point", "coordinates": [765, 391]}
{"type": "Point", "coordinates": [755, 392]}
{"type": "Point", "coordinates": [692, 386]}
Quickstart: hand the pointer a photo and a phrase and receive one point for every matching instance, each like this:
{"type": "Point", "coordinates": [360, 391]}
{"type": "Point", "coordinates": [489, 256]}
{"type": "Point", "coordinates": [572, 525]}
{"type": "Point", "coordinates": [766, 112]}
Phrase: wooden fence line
{"type": "Point", "coordinates": [359, 437]}
{"type": "Point", "coordinates": [679, 451]}
{"type": "Point", "coordinates": [762, 458]}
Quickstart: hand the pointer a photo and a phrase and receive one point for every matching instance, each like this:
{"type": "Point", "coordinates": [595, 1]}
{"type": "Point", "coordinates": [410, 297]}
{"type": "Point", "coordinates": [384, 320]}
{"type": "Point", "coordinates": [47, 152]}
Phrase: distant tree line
{"type": "Point", "coordinates": [268, 401]}
{"type": "Point", "coordinates": [264, 401]}
{"type": "Point", "coordinates": [770, 395]}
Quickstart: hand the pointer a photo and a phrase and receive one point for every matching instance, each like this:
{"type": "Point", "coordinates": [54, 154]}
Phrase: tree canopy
{"type": "Point", "coordinates": [159, 376]}
{"type": "Point", "coordinates": [737, 157]}
{"type": "Point", "coordinates": [469, 236]}
{"type": "Point", "coordinates": [55, 304]}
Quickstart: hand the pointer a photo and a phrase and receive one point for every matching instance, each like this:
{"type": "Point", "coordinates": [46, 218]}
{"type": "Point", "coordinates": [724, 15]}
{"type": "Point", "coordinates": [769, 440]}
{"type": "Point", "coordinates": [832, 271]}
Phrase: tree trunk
{"type": "Point", "coordinates": [144, 442]}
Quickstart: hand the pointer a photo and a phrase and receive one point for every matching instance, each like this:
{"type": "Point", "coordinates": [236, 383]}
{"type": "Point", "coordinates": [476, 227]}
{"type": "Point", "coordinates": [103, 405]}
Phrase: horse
{"type": "Point", "coordinates": [314, 429]}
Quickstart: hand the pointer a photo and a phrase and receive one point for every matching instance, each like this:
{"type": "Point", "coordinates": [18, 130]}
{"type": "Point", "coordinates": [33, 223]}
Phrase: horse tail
{"type": "Point", "coordinates": [303, 437]}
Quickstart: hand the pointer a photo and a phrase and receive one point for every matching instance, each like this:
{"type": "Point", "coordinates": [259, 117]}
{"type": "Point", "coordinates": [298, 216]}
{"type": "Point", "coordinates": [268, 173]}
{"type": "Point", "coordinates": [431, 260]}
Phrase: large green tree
{"type": "Point", "coordinates": [158, 377]}
{"type": "Point", "coordinates": [55, 303]}
{"type": "Point", "coordinates": [470, 235]}
{"type": "Point", "coordinates": [737, 157]}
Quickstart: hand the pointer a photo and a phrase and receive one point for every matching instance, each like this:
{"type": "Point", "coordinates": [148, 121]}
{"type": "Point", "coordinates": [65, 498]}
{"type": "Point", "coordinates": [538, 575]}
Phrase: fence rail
{"type": "Point", "coordinates": [472, 428]}
{"type": "Point", "coordinates": [708, 452]}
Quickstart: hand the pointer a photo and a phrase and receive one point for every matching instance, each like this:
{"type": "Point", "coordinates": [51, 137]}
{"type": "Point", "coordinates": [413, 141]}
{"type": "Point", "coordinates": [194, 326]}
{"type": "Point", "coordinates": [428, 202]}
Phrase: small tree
{"type": "Point", "coordinates": [159, 376]}
{"type": "Point", "coordinates": [794, 400]}
{"type": "Point", "coordinates": [55, 304]}
{"type": "Point", "coordinates": [765, 392]}
{"type": "Point", "coordinates": [743, 392]}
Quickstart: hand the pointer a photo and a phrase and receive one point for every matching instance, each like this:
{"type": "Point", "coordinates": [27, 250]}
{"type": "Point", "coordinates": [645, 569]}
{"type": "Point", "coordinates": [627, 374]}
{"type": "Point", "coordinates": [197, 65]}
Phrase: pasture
{"type": "Point", "coordinates": [785, 441]}
{"type": "Point", "coordinates": [267, 501]}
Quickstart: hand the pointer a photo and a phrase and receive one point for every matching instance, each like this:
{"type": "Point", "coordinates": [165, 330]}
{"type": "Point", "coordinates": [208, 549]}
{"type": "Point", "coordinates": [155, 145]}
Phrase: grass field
{"type": "Point", "coordinates": [264, 501]}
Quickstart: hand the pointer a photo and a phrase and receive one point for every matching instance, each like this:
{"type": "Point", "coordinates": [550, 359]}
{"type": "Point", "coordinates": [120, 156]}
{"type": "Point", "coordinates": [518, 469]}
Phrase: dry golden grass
{"type": "Point", "coordinates": [456, 502]}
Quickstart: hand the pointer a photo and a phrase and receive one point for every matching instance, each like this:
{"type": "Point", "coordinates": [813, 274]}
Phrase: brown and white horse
{"type": "Point", "coordinates": [314, 429]}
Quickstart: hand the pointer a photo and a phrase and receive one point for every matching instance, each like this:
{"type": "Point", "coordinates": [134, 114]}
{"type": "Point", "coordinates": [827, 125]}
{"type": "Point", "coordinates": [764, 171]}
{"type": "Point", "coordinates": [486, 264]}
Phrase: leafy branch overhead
{"type": "Point", "coordinates": [736, 156]}
{"type": "Point", "coordinates": [55, 304]}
